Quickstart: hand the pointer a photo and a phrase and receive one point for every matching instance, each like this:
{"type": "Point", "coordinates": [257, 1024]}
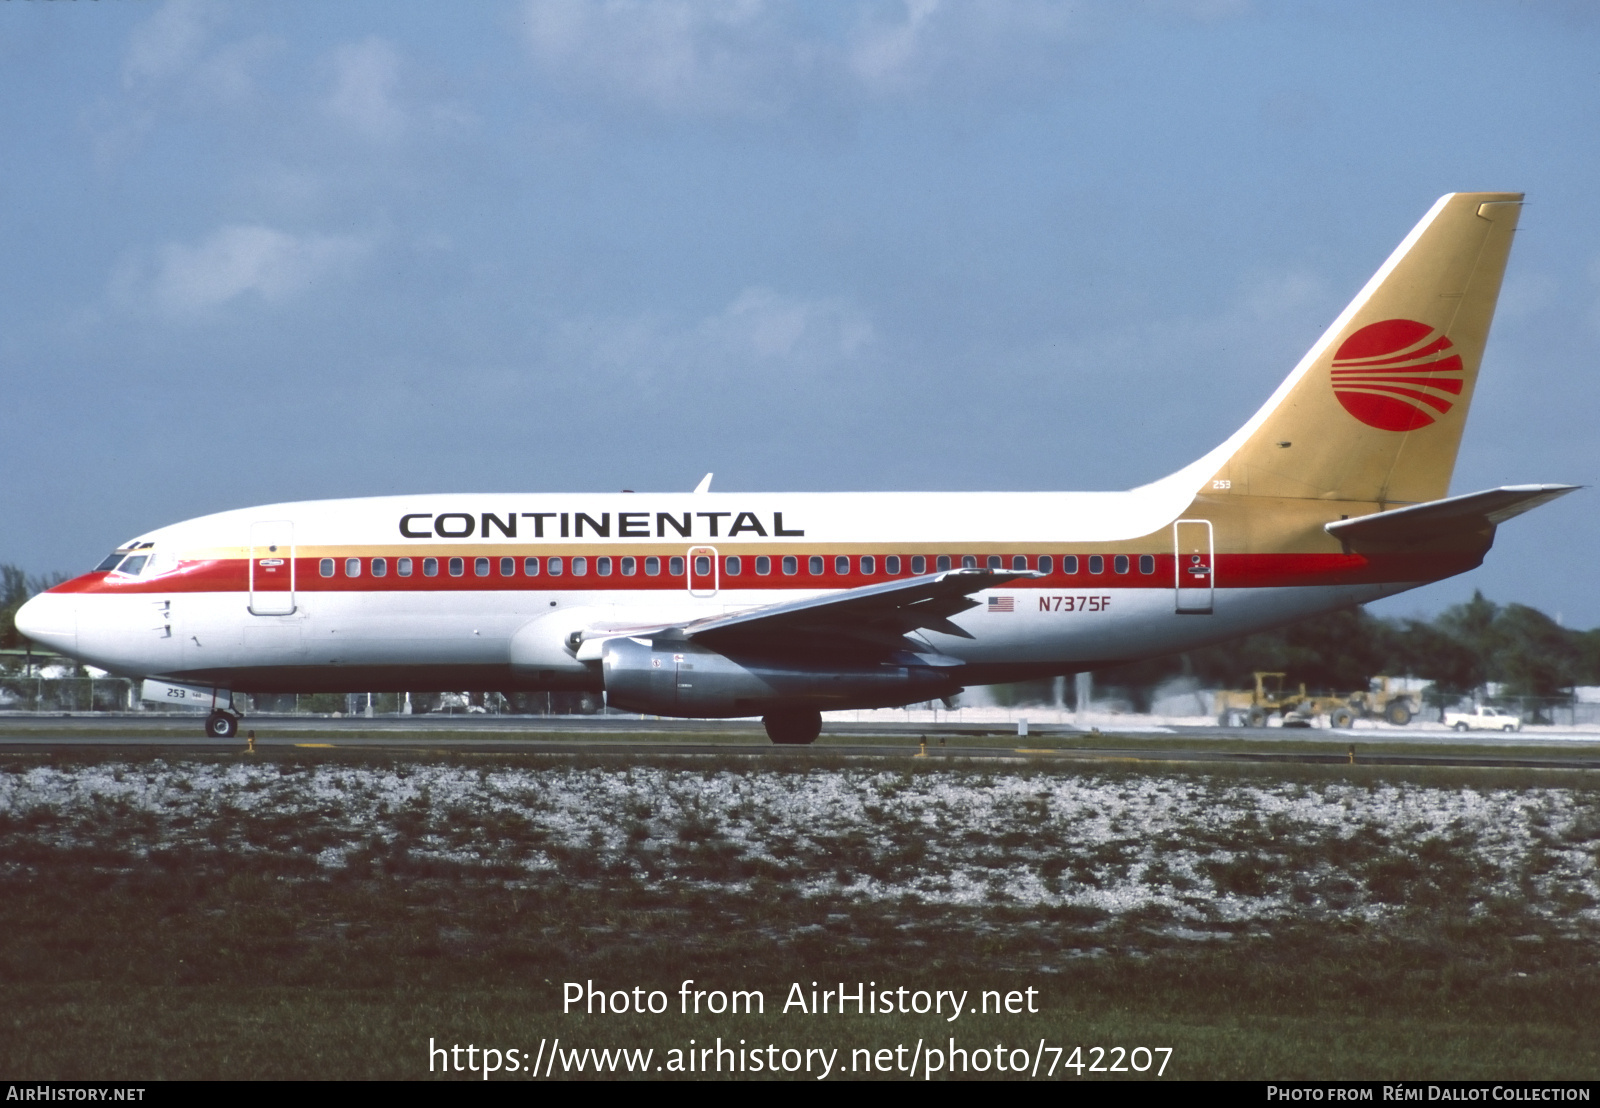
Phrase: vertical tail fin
{"type": "Point", "coordinates": [1375, 410]}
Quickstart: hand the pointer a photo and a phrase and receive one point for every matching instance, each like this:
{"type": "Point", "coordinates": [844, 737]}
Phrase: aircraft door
{"type": "Point", "coordinates": [702, 571]}
{"type": "Point", "coordinates": [272, 568]}
{"type": "Point", "coordinates": [1195, 564]}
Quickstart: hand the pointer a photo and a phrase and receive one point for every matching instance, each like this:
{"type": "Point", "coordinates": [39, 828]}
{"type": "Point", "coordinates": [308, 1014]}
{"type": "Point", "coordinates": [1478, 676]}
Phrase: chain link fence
{"type": "Point", "coordinates": [55, 695]}
{"type": "Point", "coordinates": [68, 694]}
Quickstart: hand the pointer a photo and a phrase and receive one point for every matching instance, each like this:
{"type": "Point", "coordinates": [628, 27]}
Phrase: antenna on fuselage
{"type": "Point", "coordinates": [704, 485]}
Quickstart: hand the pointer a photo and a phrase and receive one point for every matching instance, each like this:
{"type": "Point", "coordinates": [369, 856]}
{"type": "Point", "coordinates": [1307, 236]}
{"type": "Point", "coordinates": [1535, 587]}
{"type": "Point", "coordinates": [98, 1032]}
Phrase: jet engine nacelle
{"type": "Point", "coordinates": [678, 678]}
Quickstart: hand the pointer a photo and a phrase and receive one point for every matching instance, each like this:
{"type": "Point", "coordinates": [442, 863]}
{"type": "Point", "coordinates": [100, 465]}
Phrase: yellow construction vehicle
{"type": "Point", "coordinates": [1298, 708]}
{"type": "Point", "coordinates": [1380, 701]}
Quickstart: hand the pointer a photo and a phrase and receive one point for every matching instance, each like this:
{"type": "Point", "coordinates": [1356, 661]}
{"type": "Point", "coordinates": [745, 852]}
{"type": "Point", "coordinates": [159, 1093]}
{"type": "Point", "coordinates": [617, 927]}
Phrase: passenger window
{"type": "Point", "coordinates": [1019, 562]}
{"type": "Point", "coordinates": [891, 564]}
{"type": "Point", "coordinates": [919, 565]}
{"type": "Point", "coordinates": [763, 565]}
{"type": "Point", "coordinates": [1069, 563]}
{"type": "Point", "coordinates": [458, 566]}
{"type": "Point", "coordinates": [995, 562]}
{"type": "Point", "coordinates": [702, 566]}
{"type": "Point", "coordinates": [943, 562]}
{"type": "Point", "coordinates": [580, 567]}
{"type": "Point", "coordinates": [325, 567]}
{"type": "Point", "coordinates": [380, 566]}
{"type": "Point", "coordinates": [1097, 564]}
{"type": "Point", "coordinates": [1047, 564]}
{"type": "Point", "coordinates": [630, 566]}
{"type": "Point", "coordinates": [841, 566]}
{"type": "Point", "coordinates": [352, 567]}
{"type": "Point", "coordinates": [430, 567]}
{"type": "Point", "coordinates": [791, 565]}
{"type": "Point", "coordinates": [554, 565]}
{"type": "Point", "coordinates": [403, 566]}
{"type": "Point", "coordinates": [602, 566]}
{"type": "Point", "coordinates": [675, 565]}
{"type": "Point", "coordinates": [508, 567]}
{"type": "Point", "coordinates": [480, 567]}
{"type": "Point", "coordinates": [1147, 563]}
{"type": "Point", "coordinates": [530, 567]}
{"type": "Point", "coordinates": [730, 565]}
{"type": "Point", "coordinates": [814, 564]}
{"type": "Point", "coordinates": [969, 561]}
{"type": "Point", "coordinates": [652, 565]}
{"type": "Point", "coordinates": [869, 564]}
{"type": "Point", "coordinates": [1120, 563]}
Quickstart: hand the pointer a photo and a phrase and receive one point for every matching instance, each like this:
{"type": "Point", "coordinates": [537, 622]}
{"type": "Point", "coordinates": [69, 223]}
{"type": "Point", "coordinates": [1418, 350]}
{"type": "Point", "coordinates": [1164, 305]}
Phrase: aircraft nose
{"type": "Point", "coordinates": [51, 620]}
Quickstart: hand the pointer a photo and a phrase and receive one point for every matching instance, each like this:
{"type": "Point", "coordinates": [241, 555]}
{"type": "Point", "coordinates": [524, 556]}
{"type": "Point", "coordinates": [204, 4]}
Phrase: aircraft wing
{"type": "Point", "coordinates": [878, 615]}
{"type": "Point", "coordinates": [1476, 511]}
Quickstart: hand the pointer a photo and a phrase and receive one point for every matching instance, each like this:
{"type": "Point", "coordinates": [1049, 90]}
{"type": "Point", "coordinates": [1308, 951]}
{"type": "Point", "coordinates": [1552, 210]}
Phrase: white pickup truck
{"type": "Point", "coordinates": [1483, 719]}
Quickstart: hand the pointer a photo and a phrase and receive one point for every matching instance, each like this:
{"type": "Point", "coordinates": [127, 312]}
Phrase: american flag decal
{"type": "Point", "coordinates": [1002, 603]}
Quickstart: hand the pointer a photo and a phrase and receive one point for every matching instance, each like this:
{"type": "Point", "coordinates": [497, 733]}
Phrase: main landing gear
{"type": "Point", "coordinates": [793, 726]}
{"type": "Point", "coordinates": [222, 725]}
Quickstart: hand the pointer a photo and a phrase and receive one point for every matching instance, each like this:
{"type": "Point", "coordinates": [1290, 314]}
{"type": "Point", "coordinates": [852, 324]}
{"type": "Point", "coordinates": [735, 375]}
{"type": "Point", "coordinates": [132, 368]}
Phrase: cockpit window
{"type": "Point", "coordinates": [133, 564]}
{"type": "Point", "coordinates": [111, 561]}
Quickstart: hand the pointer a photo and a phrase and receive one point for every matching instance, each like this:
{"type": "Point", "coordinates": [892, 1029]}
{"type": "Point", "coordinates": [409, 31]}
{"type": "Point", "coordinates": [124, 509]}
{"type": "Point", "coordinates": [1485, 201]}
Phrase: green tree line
{"type": "Point", "coordinates": [1458, 651]}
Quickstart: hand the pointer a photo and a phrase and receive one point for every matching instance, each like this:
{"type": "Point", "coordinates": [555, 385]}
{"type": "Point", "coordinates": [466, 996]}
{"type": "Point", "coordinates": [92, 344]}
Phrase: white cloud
{"type": "Point", "coordinates": [1256, 338]}
{"type": "Point", "coordinates": [885, 49]}
{"type": "Point", "coordinates": [676, 54]}
{"type": "Point", "coordinates": [171, 64]}
{"type": "Point", "coordinates": [167, 43]}
{"type": "Point", "coordinates": [241, 259]}
{"type": "Point", "coordinates": [760, 333]}
{"type": "Point", "coordinates": [1594, 275]}
{"type": "Point", "coordinates": [768, 326]}
{"type": "Point", "coordinates": [228, 74]}
{"type": "Point", "coordinates": [752, 57]}
{"type": "Point", "coordinates": [366, 79]}
{"type": "Point", "coordinates": [1205, 11]}
{"type": "Point", "coordinates": [1525, 294]}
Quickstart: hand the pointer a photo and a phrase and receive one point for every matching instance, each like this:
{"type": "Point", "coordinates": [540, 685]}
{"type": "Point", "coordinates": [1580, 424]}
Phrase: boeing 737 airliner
{"type": "Point", "coordinates": [786, 604]}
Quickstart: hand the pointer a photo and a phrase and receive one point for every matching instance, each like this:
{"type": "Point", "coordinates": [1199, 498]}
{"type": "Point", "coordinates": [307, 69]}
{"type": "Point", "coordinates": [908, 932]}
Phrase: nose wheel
{"type": "Point", "coordinates": [222, 725]}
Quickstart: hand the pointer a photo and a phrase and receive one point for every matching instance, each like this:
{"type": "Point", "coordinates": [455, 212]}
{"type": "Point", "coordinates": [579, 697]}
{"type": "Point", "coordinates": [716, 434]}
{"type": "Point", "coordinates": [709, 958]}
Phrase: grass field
{"type": "Point", "coordinates": [325, 914]}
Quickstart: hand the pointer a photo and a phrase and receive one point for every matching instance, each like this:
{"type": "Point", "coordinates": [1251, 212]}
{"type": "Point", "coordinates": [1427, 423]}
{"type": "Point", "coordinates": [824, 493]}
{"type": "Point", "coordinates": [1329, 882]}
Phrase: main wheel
{"type": "Point", "coordinates": [1341, 718]}
{"type": "Point", "coordinates": [793, 726]}
{"type": "Point", "coordinates": [222, 725]}
{"type": "Point", "coordinates": [1399, 713]}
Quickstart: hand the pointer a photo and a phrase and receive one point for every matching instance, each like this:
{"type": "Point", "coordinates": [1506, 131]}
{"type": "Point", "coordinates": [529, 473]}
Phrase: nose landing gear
{"type": "Point", "coordinates": [222, 725]}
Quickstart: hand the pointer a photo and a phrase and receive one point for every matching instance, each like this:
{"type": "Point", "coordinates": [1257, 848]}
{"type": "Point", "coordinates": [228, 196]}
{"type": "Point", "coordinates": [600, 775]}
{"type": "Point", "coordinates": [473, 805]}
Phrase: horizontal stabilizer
{"type": "Point", "coordinates": [1476, 511]}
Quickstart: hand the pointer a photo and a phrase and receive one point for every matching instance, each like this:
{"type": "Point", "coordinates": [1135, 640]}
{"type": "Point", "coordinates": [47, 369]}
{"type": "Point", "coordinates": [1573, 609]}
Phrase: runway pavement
{"type": "Point", "coordinates": [622, 737]}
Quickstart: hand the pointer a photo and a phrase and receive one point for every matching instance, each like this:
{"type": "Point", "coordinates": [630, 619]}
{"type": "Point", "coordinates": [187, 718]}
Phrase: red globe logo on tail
{"type": "Point", "coordinates": [1396, 374]}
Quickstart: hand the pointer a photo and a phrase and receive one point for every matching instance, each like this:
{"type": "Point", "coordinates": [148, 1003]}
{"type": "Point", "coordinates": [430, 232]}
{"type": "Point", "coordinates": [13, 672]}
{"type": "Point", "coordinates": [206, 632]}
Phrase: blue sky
{"type": "Point", "coordinates": [263, 252]}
